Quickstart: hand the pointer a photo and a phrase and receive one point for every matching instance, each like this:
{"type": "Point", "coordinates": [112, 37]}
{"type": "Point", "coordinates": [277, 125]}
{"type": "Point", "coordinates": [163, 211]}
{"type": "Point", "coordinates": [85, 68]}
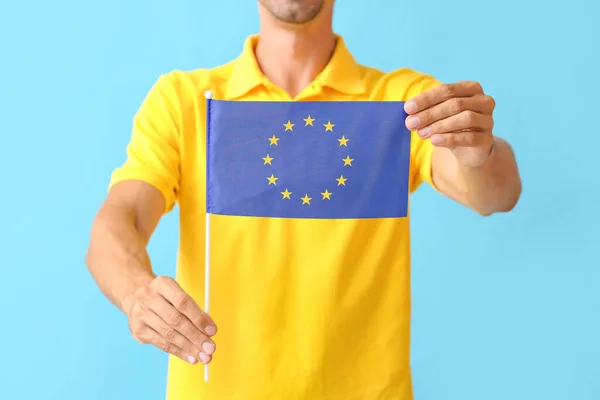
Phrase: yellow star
{"type": "Point", "coordinates": [328, 126]}
{"type": "Point", "coordinates": [268, 160]}
{"type": "Point", "coordinates": [326, 195]}
{"type": "Point", "coordinates": [273, 140]}
{"type": "Point", "coordinates": [306, 199]}
{"type": "Point", "coordinates": [341, 180]}
{"type": "Point", "coordinates": [343, 141]}
{"type": "Point", "coordinates": [347, 160]}
{"type": "Point", "coordinates": [309, 121]}
{"type": "Point", "coordinates": [289, 126]}
{"type": "Point", "coordinates": [272, 180]}
{"type": "Point", "coordinates": [286, 194]}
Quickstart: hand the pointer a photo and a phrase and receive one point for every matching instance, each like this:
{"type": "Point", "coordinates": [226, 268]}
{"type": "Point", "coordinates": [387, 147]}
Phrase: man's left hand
{"type": "Point", "coordinates": [456, 116]}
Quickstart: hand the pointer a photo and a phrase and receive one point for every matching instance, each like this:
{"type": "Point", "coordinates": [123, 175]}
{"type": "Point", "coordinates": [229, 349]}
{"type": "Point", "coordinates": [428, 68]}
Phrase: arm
{"type": "Point", "coordinates": [141, 190]}
{"type": "Point", "coordinates": [159, 311]}
{"type": "Point", "coordinates": [494, 186]}
{"type": "Point", "coordinates": [117, 257]}
{"type": "Point", "coordinates": [468, 164]}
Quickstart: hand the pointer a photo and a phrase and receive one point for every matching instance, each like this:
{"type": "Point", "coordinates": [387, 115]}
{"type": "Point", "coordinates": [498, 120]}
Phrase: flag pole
{"type": "Point", "coordinates": [208, 95]}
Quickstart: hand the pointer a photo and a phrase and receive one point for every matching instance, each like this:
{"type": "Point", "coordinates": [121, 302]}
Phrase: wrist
{"type": "Point", "coordinates": [126, 303]}
{"type": "Point", "coordinates": [128, 298]}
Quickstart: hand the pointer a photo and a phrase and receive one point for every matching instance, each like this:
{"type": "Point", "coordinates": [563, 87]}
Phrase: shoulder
{"type": "Point", "coordinates": [400, 84]}
{"type": "Point", "coordinates": [192, 84]}
{"type": "Point", "coordinates": [180, 93]}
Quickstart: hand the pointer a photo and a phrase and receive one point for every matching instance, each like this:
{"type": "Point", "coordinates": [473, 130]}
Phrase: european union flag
{"type": "Point", "coordinates": [307, 159]}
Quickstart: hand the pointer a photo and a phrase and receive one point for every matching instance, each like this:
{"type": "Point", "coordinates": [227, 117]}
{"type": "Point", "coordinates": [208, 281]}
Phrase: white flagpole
{"type": "Point", "coordinates": [208, 95]}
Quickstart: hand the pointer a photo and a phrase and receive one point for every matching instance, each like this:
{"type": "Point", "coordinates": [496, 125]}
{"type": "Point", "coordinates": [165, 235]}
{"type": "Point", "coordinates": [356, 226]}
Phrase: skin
{"type": "Point", "coordinates": [469, 163]}
{"type": "Point", "coordinates": [159, 311]}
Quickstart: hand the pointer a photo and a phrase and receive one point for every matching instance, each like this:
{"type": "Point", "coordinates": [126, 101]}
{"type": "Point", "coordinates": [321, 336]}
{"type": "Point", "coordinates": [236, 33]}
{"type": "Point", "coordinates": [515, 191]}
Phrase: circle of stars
{"type": "Point", "coordinates": [326, 194]}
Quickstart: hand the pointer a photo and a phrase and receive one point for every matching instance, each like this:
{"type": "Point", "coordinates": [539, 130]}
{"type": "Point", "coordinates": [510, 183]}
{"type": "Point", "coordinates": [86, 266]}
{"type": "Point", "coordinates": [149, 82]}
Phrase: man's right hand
{"type": "Point", "coordinates": [162, 314]}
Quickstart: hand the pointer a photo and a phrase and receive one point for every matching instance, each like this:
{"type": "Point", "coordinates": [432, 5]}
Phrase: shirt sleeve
{"type": "Point", "coordinates": [420, 150]}
{"type": "Point", "coordinates": [153, 151]}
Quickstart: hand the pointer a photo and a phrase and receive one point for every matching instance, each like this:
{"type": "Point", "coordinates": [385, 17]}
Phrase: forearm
{"type": "Point", "coordinates": [492, 187]}
{"type": "Point", "coordinates": [117, 256]}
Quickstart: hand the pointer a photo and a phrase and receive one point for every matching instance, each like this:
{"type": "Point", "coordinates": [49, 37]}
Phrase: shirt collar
{"type": "Point", "coordinates": [342, 73]}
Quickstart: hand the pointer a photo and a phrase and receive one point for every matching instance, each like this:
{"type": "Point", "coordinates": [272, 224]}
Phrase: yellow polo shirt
{"type": "Point", "coordinates": [327, 315]}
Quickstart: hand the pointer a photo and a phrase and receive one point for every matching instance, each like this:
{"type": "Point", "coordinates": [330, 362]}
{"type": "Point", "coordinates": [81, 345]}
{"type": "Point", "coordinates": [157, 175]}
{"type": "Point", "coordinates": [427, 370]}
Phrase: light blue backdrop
{"type": "Point", "coordinates": [505, 307]}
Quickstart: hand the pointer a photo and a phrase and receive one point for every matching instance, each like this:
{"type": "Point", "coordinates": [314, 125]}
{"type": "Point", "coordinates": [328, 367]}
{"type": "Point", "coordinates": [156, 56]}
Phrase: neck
{"type": "Point", "coordinates": [291, 56]}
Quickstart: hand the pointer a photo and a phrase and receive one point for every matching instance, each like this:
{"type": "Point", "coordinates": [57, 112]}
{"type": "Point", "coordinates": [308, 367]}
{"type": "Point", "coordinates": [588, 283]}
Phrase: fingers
{"type": "Point", "coordinates": [178, 329]}
{"type": "Point", "coordinates": [148, 335]}
{"type": "Point", "coordinates": [466, 120]}
{"type": "Point", "coordinates": [480, 104]}
{"type": "Point", "coordinates": [171, 291]}
{"type": "Point", "coordinates": [171, 339]}
{"type": "Point", "coordinates": [179, 317]}
{"type": "Point", "coordinates": [461, 139]}
{"type": "Point", "coordinates": [164, 315]}
{"type": "Point", "coordinates": [441, 93]}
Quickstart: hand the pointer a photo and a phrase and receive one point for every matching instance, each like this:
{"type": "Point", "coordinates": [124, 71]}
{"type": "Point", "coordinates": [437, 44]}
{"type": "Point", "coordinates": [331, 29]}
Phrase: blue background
{"type": "Point", "coordinates": [505, 307]}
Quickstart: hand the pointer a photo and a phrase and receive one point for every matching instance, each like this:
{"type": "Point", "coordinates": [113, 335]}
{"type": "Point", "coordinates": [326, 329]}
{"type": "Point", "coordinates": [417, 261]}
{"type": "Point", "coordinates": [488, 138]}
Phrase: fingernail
{"type": "Point", "coordinates": [424, 132]}
{"type": "Point", "coordinates": [204, 357]}
{"type": "Point", "coordinates": [413, 123]}
{"type": "Point", "coordinates": [410, 107]}
{"type": "Point", "coordinates": [210, 330]}
{"type": "Point", "coordinates": [208, 347]}
{"type": "Point", "coordinates": [191, 360]}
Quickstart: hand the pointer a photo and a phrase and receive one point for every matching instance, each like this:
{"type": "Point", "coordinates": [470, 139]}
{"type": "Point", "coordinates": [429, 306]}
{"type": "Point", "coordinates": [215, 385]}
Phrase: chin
{"type": "Point", "coordinates": [295, 12]}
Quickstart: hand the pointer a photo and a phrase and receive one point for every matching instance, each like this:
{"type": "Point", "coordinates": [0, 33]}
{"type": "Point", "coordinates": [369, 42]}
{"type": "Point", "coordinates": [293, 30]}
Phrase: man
{"type": "Point", "coordinates": [324, 316]}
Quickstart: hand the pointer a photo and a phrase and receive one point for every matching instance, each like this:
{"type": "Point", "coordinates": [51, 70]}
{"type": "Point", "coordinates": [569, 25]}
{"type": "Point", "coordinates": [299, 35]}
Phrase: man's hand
{"type": "Point", "coordinates": [162, 314]}
{"type": "Point", "coordinates": [456, 116]}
